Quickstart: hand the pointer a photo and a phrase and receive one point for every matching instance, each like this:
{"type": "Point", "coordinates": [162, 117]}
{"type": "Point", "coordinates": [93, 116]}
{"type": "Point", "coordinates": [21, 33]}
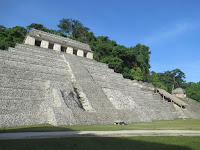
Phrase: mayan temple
{"type": "Point", "coordinates": [54, 80]}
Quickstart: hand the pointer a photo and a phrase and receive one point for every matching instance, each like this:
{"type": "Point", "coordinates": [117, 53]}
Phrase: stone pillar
{"type": "Point", "coordinates": [69, 50]}
{"type": "Point", "coordinates": [57, 47]}
{"type": "Point", "coordinates": [30, 40]}
{"type": "Point", "coordinates": [44, 44]}
{"type": "Point", "coordinates": [80, 53]}
{"type": "Point", "coordinates": [89, 55]}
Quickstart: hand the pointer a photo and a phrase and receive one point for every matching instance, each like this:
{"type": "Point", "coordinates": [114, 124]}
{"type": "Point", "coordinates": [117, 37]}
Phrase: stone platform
{"type": "Point", "coordinates": [39, 85]}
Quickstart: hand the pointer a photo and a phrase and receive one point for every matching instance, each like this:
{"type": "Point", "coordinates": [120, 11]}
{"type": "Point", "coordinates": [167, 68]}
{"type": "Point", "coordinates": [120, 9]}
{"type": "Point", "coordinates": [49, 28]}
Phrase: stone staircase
{"type": "Point", "coordinates": [181, 112]}
{"type": "Point", "coordinates": [193, 108]}
{"type": "Point", "coordinates": [124, 96]}
{"type": "Point", "coordinates": [28, 76]}
{"type": "Point", "coordinates": [39, 85]}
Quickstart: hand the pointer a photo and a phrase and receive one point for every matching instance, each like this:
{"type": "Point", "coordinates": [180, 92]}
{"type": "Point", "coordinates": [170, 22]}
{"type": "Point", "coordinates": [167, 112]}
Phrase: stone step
{"type": "Point", "coordinates": [98, 70]}
{"type": "Point", "coordinates": [115, 85]}
{"type": "Point", "coordinates": [13, 106]}
{"type": "Point", "coordinates": [30, 75]}
{"type": "Point", "coordinates": [108, 75]}
{"type": "Point", "coordinates": [108, 78]}
{"type": "Point", "coordinates": [37, 50]}
{"type": "Point", "coordinates": [193, 106]}
{"type": "Point", "coordinates": [94, 94]}
{"type": "Point", "coordinates": [30, 81]}
{"type": "Point", "coordinates": [138, 92]}
{"type": "Point", "coordinates": [155, 114]}
{"type": "Point", "coordinates": [21, 83]}
{"type": "Point", "coordinates": [152, 107]}
{"type": "Point", "coordinates": [31, 52]}
{"type": "Point", "coordinates": [141, 100]}
{"type": "Point", "coordinates": [28, 117]}
{"type": "Point", "coordinates": [10, 98]}
{"type": "Point", "coordinates": [93, 63]}
{"type": "Point", "coordinates": [96, 65]}
{"type": "Point", "coordinates": [16, 51]}
{"type": "Point", "coordinates": [31, 67]}
{"type": "Point", "coordinates": [34, 60]}
{"type": "Point", "coordinates": [11, 92]}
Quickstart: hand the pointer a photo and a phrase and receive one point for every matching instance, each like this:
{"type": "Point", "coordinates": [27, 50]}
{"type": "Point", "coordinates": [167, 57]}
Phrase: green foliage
{"type": "Point", "coordinates": [123, 58]}
{"type": "Point", "coordinates": [137, 74]}
{"type": "Point", "coordinates": [168, 79]}
{"type": "Point", "coordinates": [193, 91]}
{"type": "Point", "coordinates": [142, 55]}
{"type": "Point", "coordinates": [42, 28]}
{"type": "Point", "coordinates": [10, 36]}
{"type": "Point", "coordinates": [114, 63]}
{"type": "Point", "coordinates": [102, 46]}
{"type": "Point", "coordinates": [73, 28]}
{"type": "Point", "coordinates": [177, 124]}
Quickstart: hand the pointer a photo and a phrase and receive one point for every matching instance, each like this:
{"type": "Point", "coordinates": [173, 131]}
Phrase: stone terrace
{"type": "Point", "coordinates": [40, 85]}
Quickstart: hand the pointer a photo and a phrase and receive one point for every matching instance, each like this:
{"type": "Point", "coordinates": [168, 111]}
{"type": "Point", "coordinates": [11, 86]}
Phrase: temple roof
{"type": "Point", "coordinates": [52, 38]}
{"type": "Point", "coordinates": [173, 98]}
{"type": "Point", "coordinates": [178, 91]}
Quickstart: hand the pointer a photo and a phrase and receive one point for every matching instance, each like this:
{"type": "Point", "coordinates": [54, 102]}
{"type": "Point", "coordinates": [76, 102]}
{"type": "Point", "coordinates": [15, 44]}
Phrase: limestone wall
{"type": "Point", "coordinates": [179, 92]}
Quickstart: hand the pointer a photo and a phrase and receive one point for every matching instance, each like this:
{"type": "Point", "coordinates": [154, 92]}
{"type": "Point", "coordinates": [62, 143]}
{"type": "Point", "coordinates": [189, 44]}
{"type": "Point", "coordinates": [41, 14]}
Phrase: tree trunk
{"type": "Point", "coordinates": [173, 84]}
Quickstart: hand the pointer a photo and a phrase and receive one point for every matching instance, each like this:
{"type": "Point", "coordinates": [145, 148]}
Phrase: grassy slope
{"type": "Point", "coordinates": [98, 143]}
{"type": "Point", "coordinates": [179, 124]}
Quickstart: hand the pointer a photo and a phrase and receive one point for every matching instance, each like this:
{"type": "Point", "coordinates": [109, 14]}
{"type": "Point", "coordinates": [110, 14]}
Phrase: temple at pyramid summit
{"type": "Point", "coordinates": [54, 80]}
{"type": "Point", "coordinates": [58, 43]}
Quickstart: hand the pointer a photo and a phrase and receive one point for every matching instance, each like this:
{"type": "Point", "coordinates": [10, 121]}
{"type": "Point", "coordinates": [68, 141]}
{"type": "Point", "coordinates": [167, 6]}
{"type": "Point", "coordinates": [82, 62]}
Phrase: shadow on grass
{"type": "Point", "coordinates": [95, 143]}
{"type": "Point", "coordinates": [39, 128]}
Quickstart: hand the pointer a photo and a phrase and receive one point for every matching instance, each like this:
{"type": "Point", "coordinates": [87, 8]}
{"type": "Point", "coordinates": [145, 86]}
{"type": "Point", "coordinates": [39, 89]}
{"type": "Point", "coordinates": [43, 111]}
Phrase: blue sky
{"type": "Point", "coordinates": [171, 28]}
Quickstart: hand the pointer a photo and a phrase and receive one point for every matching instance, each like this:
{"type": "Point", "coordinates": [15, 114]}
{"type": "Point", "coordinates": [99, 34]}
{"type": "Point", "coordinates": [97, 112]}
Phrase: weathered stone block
{"type": "Point", "coordinates": [89, 55]}
{"type": "Point", "coordinates": [57, 47]}
{"type": "Point", "coordinates": [69, 50]}
{"type": "Point", "coordinates": [80, 53]}
{"type": "Point", "coordinates": [44, 44]}
{"type": "Point", "coordinates": [30, 40]}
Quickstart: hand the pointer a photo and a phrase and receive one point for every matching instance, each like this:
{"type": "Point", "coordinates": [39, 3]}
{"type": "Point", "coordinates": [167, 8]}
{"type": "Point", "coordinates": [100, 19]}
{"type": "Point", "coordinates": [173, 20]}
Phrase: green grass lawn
{"type": "Point", "coordinates": [99, 143]}
{"type": "Point", "coordinates": [178, 124]}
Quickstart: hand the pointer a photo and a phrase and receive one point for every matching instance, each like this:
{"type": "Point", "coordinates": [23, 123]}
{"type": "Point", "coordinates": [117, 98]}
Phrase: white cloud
{"type": "Point", "coordinates": [168, 32]}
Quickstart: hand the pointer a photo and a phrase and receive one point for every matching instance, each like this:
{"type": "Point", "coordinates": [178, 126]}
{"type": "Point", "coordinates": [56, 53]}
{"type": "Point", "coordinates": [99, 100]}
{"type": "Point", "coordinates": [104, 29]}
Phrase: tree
{"type": "Point", "coordinates": [102, 46]}
{"type": "Point", "coordinates": [42, 28]}
{"type": "Point", "coordinates": [193, 91]}
{"type": "Point", "coordinates": [168, 79]}
{"type": "Point", "coordinates": [2, 28]}
{"type": "Point", "coordinates": [35, 26]}
{"type": "Point", "coordinates": [73, 28]}
{"type": "Point", "coordinates": [157, 81]}
{"type": "Point", "coordinates": [178, 78]}
{"type": "Point", "coordinates": [142, 54]}
{"type": "Point", "coordinates": [137, 74]}
{"type": "Point", "coordinates": [10, 36]}
{"type": "Point", "coordinates": [114, 63]}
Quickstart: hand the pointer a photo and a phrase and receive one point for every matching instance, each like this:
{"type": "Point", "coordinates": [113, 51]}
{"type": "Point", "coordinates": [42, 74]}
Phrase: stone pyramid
{"type": "Point", "coordinates": [54, 80]}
